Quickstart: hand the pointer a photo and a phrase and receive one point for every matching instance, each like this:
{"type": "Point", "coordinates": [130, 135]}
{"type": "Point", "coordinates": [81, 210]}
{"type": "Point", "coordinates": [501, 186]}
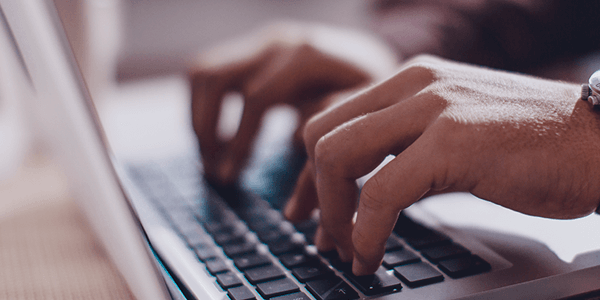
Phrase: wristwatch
{"type": "Point", "coordinates": [590, 92]}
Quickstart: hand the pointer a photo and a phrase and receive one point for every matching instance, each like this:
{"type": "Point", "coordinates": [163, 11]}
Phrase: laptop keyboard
{"type": "Point", "coordinates": [248, 246]}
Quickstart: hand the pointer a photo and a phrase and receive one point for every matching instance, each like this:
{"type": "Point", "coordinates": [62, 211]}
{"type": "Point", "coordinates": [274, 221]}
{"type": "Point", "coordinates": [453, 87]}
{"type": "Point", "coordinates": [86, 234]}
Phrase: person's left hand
{"type": "Point", "coordinates": [297, 64]}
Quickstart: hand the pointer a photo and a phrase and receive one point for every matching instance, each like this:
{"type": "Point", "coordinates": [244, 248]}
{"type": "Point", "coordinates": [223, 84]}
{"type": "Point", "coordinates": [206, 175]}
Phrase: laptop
{"type": "Point", "coordinates": [173, 235]}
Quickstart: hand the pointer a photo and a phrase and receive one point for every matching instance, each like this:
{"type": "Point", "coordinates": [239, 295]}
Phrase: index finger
{"type": "Point", "coordinates": [400, 183]}
{"type": "Point", "coordinates": [357, 147]}
{"type": "Point", "coordinates": [209, 85]}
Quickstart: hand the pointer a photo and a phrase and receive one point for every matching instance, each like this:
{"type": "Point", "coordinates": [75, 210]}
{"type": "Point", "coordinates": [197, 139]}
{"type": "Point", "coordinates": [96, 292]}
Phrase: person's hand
{"type": "Point", "coordinates": [522, 142]}
{"type": "Point", "coordinates": [286, 63]}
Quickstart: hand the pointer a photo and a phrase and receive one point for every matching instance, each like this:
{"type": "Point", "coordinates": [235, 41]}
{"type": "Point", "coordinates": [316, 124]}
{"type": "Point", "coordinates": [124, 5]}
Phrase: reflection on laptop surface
{"type": "Point", "coordinates": [173, 235]}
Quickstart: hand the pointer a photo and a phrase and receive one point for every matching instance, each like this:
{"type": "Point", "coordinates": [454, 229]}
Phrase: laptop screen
{"type": "Point", "coordinates": [66, 114]}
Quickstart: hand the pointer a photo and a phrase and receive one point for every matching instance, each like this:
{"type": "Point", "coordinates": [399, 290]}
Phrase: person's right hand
{"type": "Point", "coordinates": [287, 63]}
{"type": "Point", "coordinates": [525, 143]}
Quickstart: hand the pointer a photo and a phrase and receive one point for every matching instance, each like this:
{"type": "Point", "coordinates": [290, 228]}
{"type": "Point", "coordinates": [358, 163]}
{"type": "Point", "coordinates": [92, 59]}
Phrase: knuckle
{"type": "Point", "coordinates": [325, 156]}
{"type": "Point", "coordinates": [423, 60]}
{"type": "Point", "coordinates": [370, 200]}
{"type": "Point", "coordinates": [424, 66]}
{"type": "Point", "coordinates": [364, 247]}
{"type": "Point", "coordinates": [422, 70]}
{"type": "Point", "coordinates": [313, 131]}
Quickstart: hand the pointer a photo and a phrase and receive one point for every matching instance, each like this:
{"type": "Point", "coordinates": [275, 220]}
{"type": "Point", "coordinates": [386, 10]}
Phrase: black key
{"type": "Point", "coordinates": [270, 235]}
{"type": "Point", "coordinates": [331, 289]}
{"type": "Point", "coordinates": [286, 247]}
{"type": "Point", "coordinates": [265, 273]}
{"type": "Point", "coordinates": [429, 240]}
{"type": "Point", "coordinates": [276, 288]}
{"type": "Point", "coordinates": [294, 296]}
{"type": "Point", "coordinates": [217, 227]}
{"type": "Point", "coordinates": [418, 274]}
{"type": "Point", "coordinates": [293, 260]}
{"type": "Point", "coordinates": [393, 243]}
{"type": "Point", "coordinates": [263, 227]}
{"type": "Point", "coordinates": [269, 215]}
{"type": "Point", "coordinates": [221, 221]}
{"type": "Point", "coordinates": [307, 225]}
{"type": "Point", "coordinates": [229, 238]}
{"type": "Point", "coordinates": [308, 228]}
{"type": "Point", "coordinates": [343, 266]}
{"type": "Point", "coordinates": [263, 224]}
{"type": "Point", "coordinates": [406, 227]}
{"type": "Point", "coordinates": [228, 280]}
{"type": "Point", "coordinates": [227, 217]}
{"type": "Point", "coordinates": [239, 249]}
{"type": "Point", "coordinates": [464, 266]}
{"type": "Point", "coordinates": [399, 257]}
{"type": "Point", "coordinates": [280, 239]}
{"type": "Point", "coordinates": [378, 283]}
{"type": "Point", "coordinates": [251, 261]}
{"type": "Point", "coordinates": [240, 293]}
{"type": "Point", "coordinates": [264, 218]}
{"type": "Point", "coordinates": [206, 253]}
{"type": "Point", "coordinates": [329, 254]}
{"type": "Point", "coordinates": [447, 251]}
{"type": "Point", "coordinates": [216, 266]}
{"type": "Point", "coordinates": [311, 272]}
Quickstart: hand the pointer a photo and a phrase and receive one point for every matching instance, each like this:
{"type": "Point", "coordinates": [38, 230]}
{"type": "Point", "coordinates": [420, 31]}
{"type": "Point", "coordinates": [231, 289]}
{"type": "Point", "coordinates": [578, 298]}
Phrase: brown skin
{"type": "Point", "coordinates": [522, 142]}
{"type": "Point", "coordinates": [296, 74]}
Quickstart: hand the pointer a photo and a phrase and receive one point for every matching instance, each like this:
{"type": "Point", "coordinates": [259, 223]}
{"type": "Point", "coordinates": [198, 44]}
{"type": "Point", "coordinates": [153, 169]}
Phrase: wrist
{"type": "Point", "coordinates": [590, 92]}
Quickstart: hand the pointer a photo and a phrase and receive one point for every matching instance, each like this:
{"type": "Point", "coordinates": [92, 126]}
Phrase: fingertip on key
{"type": "Point", "coordinates": [360, 268]}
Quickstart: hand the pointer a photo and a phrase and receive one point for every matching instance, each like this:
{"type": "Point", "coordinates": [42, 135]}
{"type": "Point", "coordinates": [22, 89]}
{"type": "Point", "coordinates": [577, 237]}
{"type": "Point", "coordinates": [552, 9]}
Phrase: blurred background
{"type": "Point", "coordinates": [133, 55]}
{"type": "Point", "coordinates": [159, 35]}
{"type": "Point", "coordinates": [124, 46]}
{"type": "Point", "coordinates": [145, 38]}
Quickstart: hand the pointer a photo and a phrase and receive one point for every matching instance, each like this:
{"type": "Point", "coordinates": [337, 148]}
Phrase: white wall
{"type": "Point", "coordinates": [159, 34]}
